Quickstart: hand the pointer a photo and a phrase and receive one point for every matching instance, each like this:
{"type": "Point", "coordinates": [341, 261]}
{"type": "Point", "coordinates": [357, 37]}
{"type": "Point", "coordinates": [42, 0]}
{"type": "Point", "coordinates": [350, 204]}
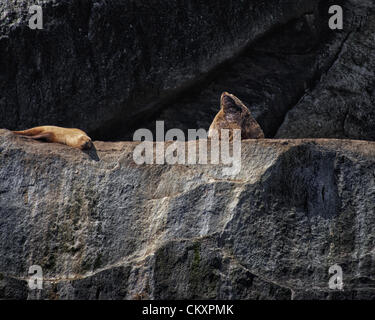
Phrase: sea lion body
{"type": "Point", "coordinates": [235, 115]}
{"type": "Point", "coordinates": [72, 137]}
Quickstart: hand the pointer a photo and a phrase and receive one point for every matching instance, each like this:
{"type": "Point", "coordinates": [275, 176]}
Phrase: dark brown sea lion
{"type": "Point", "coordinates": [235, 115]}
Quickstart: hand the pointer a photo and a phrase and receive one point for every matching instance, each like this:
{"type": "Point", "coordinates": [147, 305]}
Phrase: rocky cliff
{"type": "Point", "coordinates": [101, 65]}
{"type": "Point", "coordinates": [102, 227]}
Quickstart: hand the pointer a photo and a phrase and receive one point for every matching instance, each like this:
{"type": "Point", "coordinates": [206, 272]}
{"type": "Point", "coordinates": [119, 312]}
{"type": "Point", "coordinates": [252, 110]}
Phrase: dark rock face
{"type": "Point", "coordinates": [269, 77]}
{"type": "Point", "coordinates": [300, 80]}
{"type": "Point", "coordinates": [113, 68]}
{"type": "Point", "coordinates": [98, 64]}
{"type": "Point", "coordinates": [342, 103]}
{"type": "Point", "coordinates": [102, 227]}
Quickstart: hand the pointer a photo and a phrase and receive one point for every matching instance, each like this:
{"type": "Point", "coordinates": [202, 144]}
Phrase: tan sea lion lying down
{"type": "Point", "coordinates": [71, 137]}
{"type": "Point", "coordinates": [235, 115]}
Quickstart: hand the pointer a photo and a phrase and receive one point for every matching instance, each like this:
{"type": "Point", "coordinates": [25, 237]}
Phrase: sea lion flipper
{"type": "Point", "coordinates": [48, 136]}
{"type": "Point", "coordinates": [29, 132]}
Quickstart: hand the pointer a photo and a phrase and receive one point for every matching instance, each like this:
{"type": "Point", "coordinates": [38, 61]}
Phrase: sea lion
{"type": "Point", "coordinates": [71, 137]}
{"type": "Point", "coordinates": [235, 115]}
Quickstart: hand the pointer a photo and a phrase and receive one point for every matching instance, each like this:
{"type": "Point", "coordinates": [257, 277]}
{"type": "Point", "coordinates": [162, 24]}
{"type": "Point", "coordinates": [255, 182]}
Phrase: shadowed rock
{"type": "Point", "coordinates": [341, 105]}
{"type": "Point", "coordinates": [100, 65]}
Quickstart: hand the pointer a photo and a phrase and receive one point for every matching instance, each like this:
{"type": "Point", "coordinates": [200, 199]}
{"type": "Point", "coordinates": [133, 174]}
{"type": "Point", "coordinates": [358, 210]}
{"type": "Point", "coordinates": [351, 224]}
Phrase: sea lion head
{"type": "Point", "coordinates": [84, 142]}
{"type": "Point", "coordinates": [238, 116]}
{"type": "Point", "coordinates": [234, 110]}
{"type": "Point", "coordinates": [231, 104]}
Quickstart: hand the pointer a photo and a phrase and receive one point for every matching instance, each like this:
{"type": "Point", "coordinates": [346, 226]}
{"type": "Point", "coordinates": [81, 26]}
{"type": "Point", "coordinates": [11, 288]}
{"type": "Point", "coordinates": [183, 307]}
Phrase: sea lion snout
{"type": "Point", "coordinates": [229, 103]}
{"type": "Point", "coordinates": [87, 145]}
{"type": "Point", "coordinates": [84, 142]}
{"type": "Point", "coordinates": [225, 97]}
